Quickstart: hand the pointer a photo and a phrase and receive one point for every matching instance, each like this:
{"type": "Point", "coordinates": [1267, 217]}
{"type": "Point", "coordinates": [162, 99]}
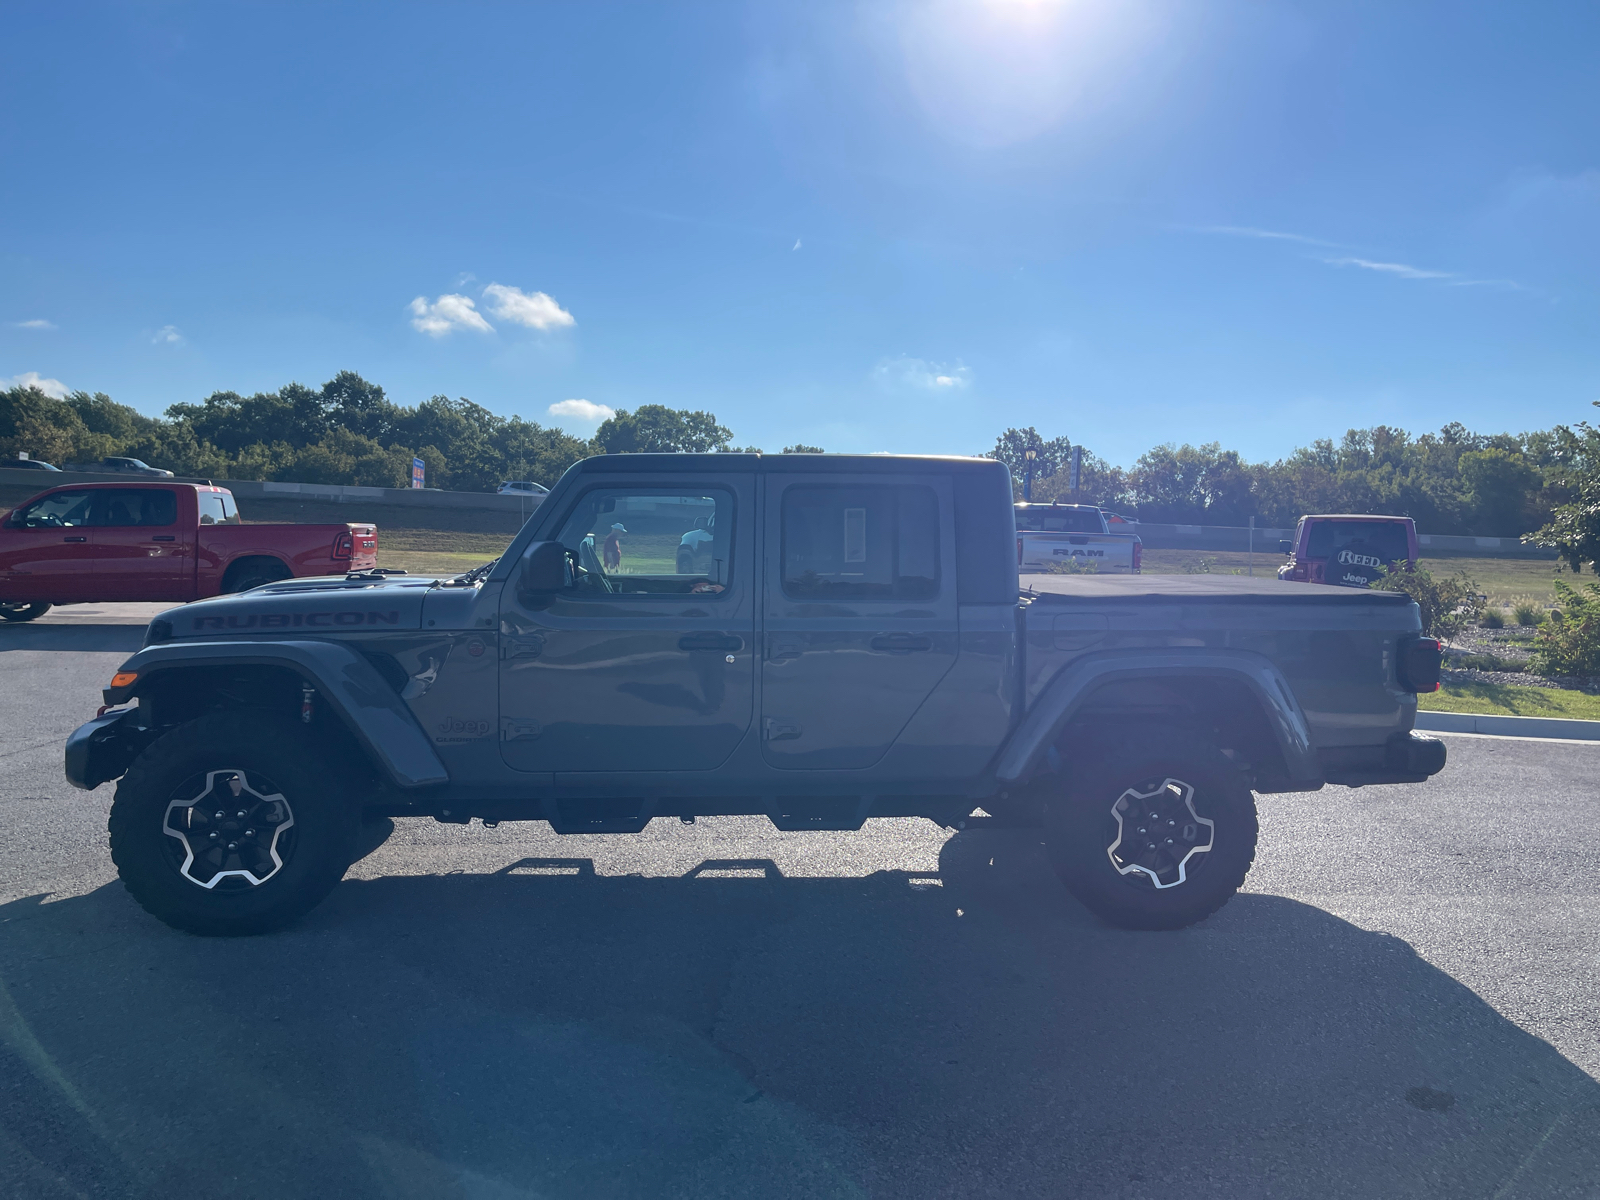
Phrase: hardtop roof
{"type": "Point", "coordinates": [768, 464]}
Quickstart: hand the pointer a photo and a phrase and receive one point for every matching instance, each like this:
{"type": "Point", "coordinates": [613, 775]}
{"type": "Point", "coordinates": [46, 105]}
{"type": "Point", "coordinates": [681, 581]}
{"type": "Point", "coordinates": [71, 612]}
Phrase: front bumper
{"type": "Point", "coordinates": [1405, 758]}
{"type": "Point", "coordinates": [102, 749]}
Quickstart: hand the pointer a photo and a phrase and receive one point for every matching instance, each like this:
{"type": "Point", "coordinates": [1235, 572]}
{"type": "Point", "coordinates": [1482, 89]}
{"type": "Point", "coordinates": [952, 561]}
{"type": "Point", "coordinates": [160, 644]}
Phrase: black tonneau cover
{"type": "Point", "coordinates": [1209, 589]}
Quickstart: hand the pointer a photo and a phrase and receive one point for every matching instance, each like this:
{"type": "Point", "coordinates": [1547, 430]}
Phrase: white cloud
{"type": "Point", "coordinates": [167, 335]}
{"type": "Point", "coordinates": [796, 244]}
{"type": "Point", "coordinates": [1388, 268]}
{"type": "Point", "coordinates": [37, 323]}
{"type": "Point", "coordinates": [1265, 234]}
{"type": "Point", "coordinates": [449, 312]}
{"type": "Point", "coordinates": [32, 379]}
{"type": "Point", "coordinates": [585, 412]}
{"type": "Point", "coordinates": [536, 310]}
{"type": "Point", "coordinates": [921, 375]}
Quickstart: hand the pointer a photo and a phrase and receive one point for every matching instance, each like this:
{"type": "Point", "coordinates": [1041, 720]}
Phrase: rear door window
{"type": "Point", "coordinates": [860, 542]}
{"type": "Point", "coordinates": [140, 507]}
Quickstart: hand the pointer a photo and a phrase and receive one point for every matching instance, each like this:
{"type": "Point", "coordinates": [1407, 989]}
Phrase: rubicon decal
{"type": "Point", "coordinates": [317, 620]}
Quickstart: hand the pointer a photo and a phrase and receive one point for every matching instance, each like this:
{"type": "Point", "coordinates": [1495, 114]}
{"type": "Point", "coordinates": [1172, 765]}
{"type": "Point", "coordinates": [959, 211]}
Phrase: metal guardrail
{"type": "Point", "coordinates": [253, 489]}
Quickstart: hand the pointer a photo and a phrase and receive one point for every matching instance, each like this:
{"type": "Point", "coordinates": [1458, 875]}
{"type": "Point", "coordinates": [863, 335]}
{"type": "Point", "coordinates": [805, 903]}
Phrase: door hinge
{"type": "Point", "coordinates": [528, 646]}
{"type": "Point", "coordinates": [514, 729]}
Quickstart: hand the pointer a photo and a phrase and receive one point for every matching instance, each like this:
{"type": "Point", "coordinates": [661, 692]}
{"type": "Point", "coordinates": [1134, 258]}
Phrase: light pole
{"type": "Point", "coordinates": [1028, 457]}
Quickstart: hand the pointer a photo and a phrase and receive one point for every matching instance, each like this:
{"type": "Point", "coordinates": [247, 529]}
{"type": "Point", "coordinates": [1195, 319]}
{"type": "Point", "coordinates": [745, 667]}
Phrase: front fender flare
{"type": "Point", "coordinates": [1064, 695]}
{"type": "Point", "coordinates": [368, 706]}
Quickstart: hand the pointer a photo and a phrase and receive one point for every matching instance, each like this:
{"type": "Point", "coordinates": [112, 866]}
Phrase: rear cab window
{"type": "Point", "coordinates": [1383, 540]}
{"type": "Point", "coordinates": [218, 508]}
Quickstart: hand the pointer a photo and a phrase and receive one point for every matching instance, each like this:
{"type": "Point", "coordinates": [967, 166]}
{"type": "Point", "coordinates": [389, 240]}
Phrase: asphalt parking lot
{"type": "Point", "coordinates": [1403, 1004]}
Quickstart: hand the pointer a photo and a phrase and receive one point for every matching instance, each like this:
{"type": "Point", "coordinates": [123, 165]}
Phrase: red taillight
{"type": "Point", "coordinates": [1138, 557]}
{"type": "Point", "coordinates": [343, 546]}
{"type": "Point", "coordinates": [1419, 662]}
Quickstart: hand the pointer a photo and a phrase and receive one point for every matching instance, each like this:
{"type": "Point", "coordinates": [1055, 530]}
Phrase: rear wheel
{"type": "Point", "coordinates": [254, 573]}
{"type": "Point", "coordinates": [232, 824]}
{"type": "Point", "coordinates": [23, 612]}
{"type": "Point", "coordinates": [1153, 833]}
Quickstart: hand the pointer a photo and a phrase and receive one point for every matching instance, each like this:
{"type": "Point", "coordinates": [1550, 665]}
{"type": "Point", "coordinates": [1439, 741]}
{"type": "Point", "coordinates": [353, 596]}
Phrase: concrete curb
{"type": "Point", "coordinates": [1529, 727]}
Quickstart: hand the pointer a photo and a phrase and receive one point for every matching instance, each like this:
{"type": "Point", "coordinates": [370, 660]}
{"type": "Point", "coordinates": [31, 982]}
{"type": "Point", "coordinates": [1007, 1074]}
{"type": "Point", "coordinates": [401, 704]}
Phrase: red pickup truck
{"type": "Point", "coordinates": [156, 541]}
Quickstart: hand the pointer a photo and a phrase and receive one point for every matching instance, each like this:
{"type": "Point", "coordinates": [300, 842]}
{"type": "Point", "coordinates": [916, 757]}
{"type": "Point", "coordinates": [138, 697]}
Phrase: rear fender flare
{"type": "Point", "coordinates": [370, 709]}
{"type": "Point", "coordinates": [1029, 744]}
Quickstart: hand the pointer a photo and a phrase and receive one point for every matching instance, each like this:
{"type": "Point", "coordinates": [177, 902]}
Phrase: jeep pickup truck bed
{"type": "Point", "coordinates": [103, 542]}
{"type": "Point", "coordinates": [819, 639]}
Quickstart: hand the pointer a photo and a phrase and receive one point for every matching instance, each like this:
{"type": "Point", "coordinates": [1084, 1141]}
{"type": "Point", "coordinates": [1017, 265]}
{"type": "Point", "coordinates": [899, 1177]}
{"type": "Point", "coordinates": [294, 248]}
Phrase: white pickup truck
{"type": "Point", "coordinates": [1075, 534]}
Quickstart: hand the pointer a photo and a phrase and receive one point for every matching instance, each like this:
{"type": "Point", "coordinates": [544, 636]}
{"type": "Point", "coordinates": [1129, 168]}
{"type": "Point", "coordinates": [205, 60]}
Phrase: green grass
{"type": "Point", "coordinates": [1499, 699]}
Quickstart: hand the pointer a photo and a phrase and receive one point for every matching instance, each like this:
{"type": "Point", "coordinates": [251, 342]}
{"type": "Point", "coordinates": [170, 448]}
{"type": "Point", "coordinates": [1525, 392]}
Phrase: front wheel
{"type": "Point", "coordinates": [232, 824]}
{"type": "Point", "coordinates": [23, 612]}
{"type": "Point", "coordinates": [1153, 833]}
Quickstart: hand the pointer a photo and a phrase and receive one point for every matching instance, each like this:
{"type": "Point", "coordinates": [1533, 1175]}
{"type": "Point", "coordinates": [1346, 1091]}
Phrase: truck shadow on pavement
{"type": "Point", "coordinates": [547, 1031]}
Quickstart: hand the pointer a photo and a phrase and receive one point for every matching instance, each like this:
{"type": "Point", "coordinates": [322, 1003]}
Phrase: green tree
{"type": "Point", "coordinates": [1012, 446]}
{"type": "Point", "coordinates": [802, 448]}
{"type": "Point", "coordinates": [1573, 530]}
{"type": "Point", "coordinates": [656, 429]}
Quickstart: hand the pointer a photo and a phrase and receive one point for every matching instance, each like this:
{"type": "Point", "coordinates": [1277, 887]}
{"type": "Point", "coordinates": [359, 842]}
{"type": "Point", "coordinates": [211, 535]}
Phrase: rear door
{"type": "Point", "coordinates": [859, 611]}
{"type": "Point", "coordinates": [44, 549]}
{"type": "Point", "coordinates": [646, 663]}
{"type": "Point", "coordinates": [140, 549]}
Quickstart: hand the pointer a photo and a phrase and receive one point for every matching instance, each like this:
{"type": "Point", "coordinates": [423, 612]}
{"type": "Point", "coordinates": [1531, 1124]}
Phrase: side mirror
{"type": "Point", "coordinates": [544, 569]}
{"type": "Point", "coordinates": [1285, 547]}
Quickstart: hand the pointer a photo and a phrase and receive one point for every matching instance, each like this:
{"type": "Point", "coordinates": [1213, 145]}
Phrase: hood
{"type": "Point", "coordinates": [316, 606]}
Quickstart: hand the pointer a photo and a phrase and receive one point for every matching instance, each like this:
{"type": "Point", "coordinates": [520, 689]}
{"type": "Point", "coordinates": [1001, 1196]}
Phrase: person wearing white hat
{"type": "Point", "coordinates": [611, 548]}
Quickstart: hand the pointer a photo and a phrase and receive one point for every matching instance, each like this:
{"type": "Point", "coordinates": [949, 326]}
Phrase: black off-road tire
{"type": "Point", "coordinates": [1189, 781]}
{"type": "Point", "coordinates": [23, 612]}
{"type": "Point", "coordinates": [276, 757]}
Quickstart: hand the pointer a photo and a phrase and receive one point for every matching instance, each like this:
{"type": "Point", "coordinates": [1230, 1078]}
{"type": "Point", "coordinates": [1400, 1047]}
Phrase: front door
{"type": "Point", "coordinates": [139, 552]}
{"type": "Point", "coordinates": [646, 662]}
{"type": "Point", "coordinates": [860, 613]}
{"type": "Point", "coordinates": [44, 549]}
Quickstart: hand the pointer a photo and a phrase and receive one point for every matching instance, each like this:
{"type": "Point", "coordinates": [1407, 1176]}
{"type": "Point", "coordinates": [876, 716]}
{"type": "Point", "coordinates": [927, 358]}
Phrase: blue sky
{"type": "Point", "coordinates": [871, 227]}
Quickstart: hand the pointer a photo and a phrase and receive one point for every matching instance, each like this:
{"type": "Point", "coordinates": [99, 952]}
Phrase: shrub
{"type": "Point", "coordinates": [1448, 605]}
{"type": "Point", "coordinates": [1072, 566]}
{"type": "Point", "coordinates": [1526, 612]}
{"type": "Point", "coordinates": [1493, 618]}
{"type": "Point", "coordinates": [1570, 646]}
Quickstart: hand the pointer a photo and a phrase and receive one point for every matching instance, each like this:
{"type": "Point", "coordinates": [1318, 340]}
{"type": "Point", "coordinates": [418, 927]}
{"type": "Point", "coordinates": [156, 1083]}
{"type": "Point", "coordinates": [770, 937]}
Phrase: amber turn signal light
{"type": "Point", "coordinates": [124, 678]}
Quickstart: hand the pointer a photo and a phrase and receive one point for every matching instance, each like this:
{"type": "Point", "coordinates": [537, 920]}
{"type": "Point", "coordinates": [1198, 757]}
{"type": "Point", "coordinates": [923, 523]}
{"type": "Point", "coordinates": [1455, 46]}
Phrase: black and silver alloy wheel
{"type": "Point", "coordinates": [235, 823]}
{"type": "Point", "coordinates": [229, 829]}
{"type": "Point", "coordinates": [1152, 830]}
{"type": "Point", "coordinates": [1159, 834]}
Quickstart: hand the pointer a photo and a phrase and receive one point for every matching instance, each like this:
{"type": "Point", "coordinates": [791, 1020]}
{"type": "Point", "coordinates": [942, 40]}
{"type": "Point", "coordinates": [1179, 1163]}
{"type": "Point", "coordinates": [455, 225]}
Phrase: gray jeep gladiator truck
{"type": "Point", "coordinates": [818, 639]}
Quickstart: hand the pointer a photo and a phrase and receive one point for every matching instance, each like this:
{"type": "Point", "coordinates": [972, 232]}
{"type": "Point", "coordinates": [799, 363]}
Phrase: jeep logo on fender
{"type": "Point", "coordinates": [318, 620]}
{"type": "Point", "coordinates": [1359, 560]}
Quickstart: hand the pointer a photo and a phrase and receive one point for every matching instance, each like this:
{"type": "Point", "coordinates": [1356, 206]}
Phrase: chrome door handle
{"type": "Point", "coordinates": [163, 537]}
{"type": "Point", "coordinates": [74, 539]}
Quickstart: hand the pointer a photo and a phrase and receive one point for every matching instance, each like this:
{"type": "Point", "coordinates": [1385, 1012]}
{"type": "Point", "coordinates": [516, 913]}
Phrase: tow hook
{"type": "Point", "coordinates": [307, 693]}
